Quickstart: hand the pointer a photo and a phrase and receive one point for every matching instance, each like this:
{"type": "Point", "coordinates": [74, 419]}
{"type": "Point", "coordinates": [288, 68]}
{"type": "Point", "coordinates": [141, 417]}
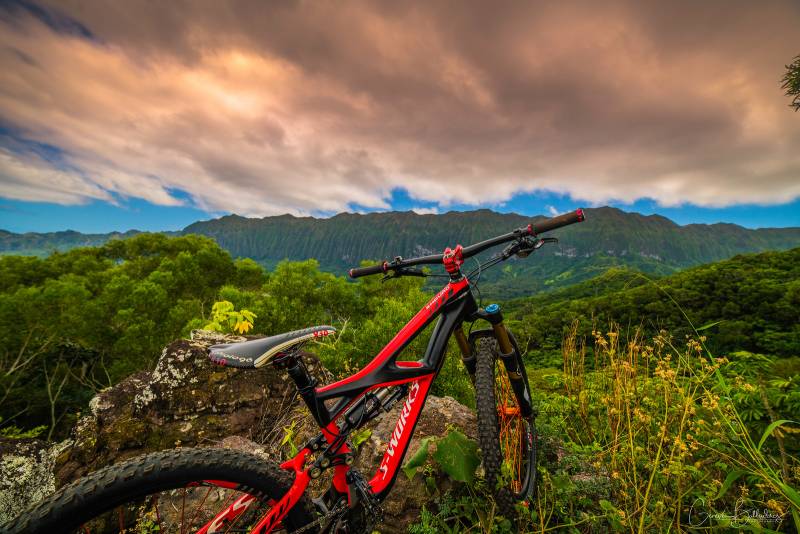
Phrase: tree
{"type": "Point", "coordinates": [791, 82]}
{"type": "Point", "coordinates": [76, 322]}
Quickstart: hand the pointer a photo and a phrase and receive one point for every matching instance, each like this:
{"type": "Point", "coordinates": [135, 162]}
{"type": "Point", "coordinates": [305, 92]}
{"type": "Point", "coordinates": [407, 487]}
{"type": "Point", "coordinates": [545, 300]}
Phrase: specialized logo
{"type": "Point", "coordinates": [218, 360]}
{"type": "Point", "coordinates": [440, 298]}
{"type": "Point", "coordinates": [400, 428]}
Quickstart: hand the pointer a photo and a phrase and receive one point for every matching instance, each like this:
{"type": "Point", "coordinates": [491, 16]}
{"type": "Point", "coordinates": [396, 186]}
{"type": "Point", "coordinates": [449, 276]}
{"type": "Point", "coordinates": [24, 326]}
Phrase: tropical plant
{"type": "Point", "coordinates": [225, 318]}
{"type": "Point", "coordinates": [791, 82]}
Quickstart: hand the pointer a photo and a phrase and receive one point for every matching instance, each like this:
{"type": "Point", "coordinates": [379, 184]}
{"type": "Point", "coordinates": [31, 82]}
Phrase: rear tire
{"type": "Point", "coordinates": [513, 443]}
{"type": "Point", "coordinates": [112, 488]}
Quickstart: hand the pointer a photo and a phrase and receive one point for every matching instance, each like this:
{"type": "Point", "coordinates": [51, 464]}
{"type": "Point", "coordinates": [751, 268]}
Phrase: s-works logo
{"type": "Point", "coordinates": [400, 428]}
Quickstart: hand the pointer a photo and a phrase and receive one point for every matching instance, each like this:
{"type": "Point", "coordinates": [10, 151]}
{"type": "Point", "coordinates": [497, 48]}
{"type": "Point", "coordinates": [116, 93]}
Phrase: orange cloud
{"type": "Point", "coordinates": [262, 109]}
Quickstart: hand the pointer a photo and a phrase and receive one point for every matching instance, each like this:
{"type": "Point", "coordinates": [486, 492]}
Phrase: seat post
{"type": "Point", "coordinates": [305, 383]}
{"type": "Point", "coordinates": [297, 370]}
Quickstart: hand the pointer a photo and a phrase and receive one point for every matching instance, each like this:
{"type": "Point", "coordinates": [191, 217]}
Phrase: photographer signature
{"type": "Point", "coordinates": [740, 517]}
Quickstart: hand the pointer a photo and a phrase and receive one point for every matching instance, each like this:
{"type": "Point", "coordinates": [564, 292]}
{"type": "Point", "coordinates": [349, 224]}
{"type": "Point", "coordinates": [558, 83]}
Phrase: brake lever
{"type": "Point", "coordinates": [397, 273]}
{"type": "Point", "coordinates": [533, 244]}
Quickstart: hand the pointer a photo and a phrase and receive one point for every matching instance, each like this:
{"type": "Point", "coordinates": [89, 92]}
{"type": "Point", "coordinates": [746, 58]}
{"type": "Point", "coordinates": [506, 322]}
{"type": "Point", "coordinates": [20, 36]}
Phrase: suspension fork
{"type": "Point", "coordinates": [509, 354]}
{"type": "Point", "coordinates": [467, 355]}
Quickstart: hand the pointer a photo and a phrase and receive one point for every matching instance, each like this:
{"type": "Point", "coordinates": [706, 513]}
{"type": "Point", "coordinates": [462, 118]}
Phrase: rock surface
{"type": "Point", "coordinates": [26, 474]}
{"type": "Point", "coordinates": [188, 401]}
{"type": "Point", "coordinates": [185, 401]}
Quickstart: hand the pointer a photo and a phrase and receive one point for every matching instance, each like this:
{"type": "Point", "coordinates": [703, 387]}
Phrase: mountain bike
{"type": "Point", "coordinates": [208, 490]}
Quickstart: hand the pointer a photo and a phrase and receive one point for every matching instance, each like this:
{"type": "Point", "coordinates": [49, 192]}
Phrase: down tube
{"type": "Point", "coordinates": [384, 478]}
{"type": "Point", "coordinates": [396, 450]}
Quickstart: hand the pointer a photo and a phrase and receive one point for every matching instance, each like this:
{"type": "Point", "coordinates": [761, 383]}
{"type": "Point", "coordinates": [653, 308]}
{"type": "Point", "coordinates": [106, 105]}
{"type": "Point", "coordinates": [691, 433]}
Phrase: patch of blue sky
{"type": "Point", "coordinates": [133, 213]}
{"type": "Point", "coordinates": [99, 216]}
{"type": "Point", "coordinates": [51, 17]}
{"type": "Point", "coordinates": [545, 203]}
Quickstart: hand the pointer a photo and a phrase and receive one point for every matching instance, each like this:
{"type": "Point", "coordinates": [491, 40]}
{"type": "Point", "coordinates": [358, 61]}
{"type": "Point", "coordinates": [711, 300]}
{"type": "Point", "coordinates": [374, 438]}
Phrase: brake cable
{"type": "Point", "coordinates": [512, 250]}
{"type": "Point", "coordinates": [475, 283]}
{"type": "Point", "coordinates": [486, 265]}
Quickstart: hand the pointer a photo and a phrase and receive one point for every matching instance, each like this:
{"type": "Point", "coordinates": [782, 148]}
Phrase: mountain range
{"type": "Point", "coordinates": [608, 238]}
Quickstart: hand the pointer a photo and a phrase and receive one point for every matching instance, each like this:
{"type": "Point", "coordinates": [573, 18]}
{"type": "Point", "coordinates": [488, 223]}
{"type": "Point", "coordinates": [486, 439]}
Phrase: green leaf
{"type": "Point", "coordinates": [791, 493]}
{"type": "Point", "coordinates": [418, 460]}
{"type": "Point", "coordinates": [430, 485]}
{"type": "Point", "coordinates": [729, 480]}
{"type": "Point", "coordinates": [360, 436]}
{"type": "Point", "coordinates": [709, 325]}
{"type": "Point", "coordinates": [796, 517]}
{"type": "Point", "coordinates": [770, 429]}
{"type": "Point", "coordinates": [457, 455]}
{"type": "Point", "coordinates": [288, 438]}
{"type": "Point", "coordinates": [606, 506]}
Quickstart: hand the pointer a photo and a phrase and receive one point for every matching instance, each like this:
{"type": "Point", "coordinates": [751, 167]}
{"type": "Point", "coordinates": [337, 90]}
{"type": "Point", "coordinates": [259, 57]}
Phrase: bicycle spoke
{"type": "Point", "coordinates": [235, 520]}
{"type": "Point", "coordinates": [230, 498]}
{"type": "Point", "coordinates": [191, 521]}
{"type": "Point", "coordinates": [167, 493]}
{"type": "Point", "coordinates": [198, 504]}
{"type": "Point", "coordinates": [510, 426]}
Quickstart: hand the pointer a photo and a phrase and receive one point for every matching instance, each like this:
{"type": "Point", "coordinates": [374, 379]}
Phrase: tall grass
{"type": "Point", "coordinates": [646, 435]}
{"type": "Point", "coordinates": [655, 436]}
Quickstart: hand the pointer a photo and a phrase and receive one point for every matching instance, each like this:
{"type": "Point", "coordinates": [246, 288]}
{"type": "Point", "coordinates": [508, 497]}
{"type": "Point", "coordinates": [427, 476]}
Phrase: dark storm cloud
{"type": "Point", "coordinates": [270, 107]}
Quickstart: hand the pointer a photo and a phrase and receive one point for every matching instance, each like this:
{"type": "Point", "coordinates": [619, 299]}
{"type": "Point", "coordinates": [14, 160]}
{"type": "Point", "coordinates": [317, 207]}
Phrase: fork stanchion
{"type": "Point", "coordinates": [467, 356]}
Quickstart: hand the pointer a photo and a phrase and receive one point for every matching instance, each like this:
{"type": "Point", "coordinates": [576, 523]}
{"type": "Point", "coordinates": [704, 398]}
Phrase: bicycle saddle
{"type": "Point", "coordinates": [259, 352]}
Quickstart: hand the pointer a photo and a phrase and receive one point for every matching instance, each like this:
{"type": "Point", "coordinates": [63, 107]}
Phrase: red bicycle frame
{"type": "Point", "coordinates": [451, 305]}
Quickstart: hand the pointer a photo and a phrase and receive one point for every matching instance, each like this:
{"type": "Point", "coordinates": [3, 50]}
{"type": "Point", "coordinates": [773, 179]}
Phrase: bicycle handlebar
{"type": "Point", "coordinates": [547, 225]}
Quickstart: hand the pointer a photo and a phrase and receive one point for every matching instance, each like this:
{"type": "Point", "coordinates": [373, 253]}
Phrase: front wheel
{"type": "Point", "coordinates": [185, 490]}
{"type": "Point", "coordinates": [507, 436]}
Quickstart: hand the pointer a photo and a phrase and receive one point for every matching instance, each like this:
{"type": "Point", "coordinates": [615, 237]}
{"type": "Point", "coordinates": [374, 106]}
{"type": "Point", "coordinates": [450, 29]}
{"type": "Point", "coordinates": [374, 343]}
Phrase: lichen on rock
{"type": "Point", "coordinates": [26, 474]}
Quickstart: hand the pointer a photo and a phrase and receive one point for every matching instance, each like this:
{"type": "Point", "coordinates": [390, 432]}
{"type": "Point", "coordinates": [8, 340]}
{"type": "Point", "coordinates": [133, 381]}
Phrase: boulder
{"type": "Point", "coordinates": [185, 401]}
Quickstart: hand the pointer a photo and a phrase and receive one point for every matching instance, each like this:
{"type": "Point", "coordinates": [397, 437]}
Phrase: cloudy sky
{"type": "Point", "coordinates": [154, 114]}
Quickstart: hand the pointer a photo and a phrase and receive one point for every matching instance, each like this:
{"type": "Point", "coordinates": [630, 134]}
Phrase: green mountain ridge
{"type": "Point", "coordinates": [41, 244]}
{"type": "Point", "coordinates": [748, 302]}
{"type": "Point", "coordinates": [608, 238]}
